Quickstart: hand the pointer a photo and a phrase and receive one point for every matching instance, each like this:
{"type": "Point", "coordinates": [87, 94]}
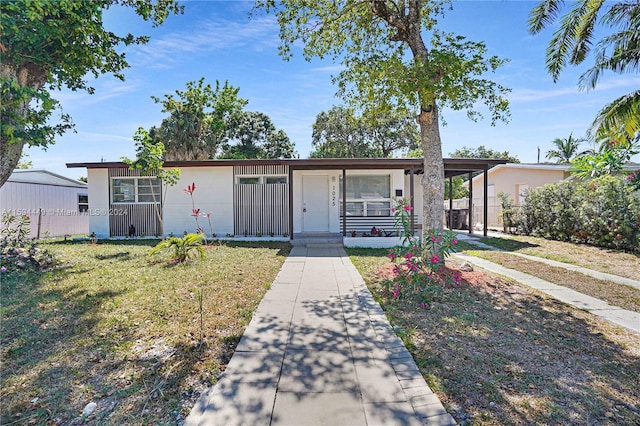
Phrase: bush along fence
{"type": "Point", "coordinates": [603, 212]}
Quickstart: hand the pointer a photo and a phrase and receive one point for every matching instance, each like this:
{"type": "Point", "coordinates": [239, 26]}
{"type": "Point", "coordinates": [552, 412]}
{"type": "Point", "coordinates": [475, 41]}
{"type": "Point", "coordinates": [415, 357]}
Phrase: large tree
{"type": "Point", "coordinates": [253, 135]}
{"type": "Point", "coordinates": [388, 66]}
{"type": "Point", "coordinates": [483, 152]}
{"type": "Point", "coordinates": [566, 149]}
{"type": "Point", "coordinates": [47, 45]}
{"type": "Point", "coordinates": [198, 121]}
{"type": "Point", "coordinates": [618, 52]}
{"type": "Point", "coordinates": [340, 133]}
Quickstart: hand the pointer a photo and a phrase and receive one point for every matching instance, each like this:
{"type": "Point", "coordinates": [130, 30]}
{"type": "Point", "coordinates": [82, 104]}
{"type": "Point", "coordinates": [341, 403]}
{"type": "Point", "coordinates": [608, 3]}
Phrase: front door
{"type": "Point", "coordinates": [315, 203]}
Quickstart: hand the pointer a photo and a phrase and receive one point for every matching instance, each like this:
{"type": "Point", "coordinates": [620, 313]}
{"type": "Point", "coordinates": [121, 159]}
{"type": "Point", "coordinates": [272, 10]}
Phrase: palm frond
{"type": "Point", "coordinates": [545, 13]}
{"type": "Point", "coordinates": [584, 32]}
{"type": "Point", "coordinates": [619, 118]}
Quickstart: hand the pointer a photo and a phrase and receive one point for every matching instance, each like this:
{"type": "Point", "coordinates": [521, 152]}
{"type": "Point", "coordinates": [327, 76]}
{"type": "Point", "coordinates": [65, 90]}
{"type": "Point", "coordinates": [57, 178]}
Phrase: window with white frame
{"type": "Point", "coordinates": [83, 203]}
{"type": "Point", "coordinates": [261, 180]}
{"type": "Point", "coordinates": [368, 195]}
{"type": "Point", "coordinates": [135, 190]}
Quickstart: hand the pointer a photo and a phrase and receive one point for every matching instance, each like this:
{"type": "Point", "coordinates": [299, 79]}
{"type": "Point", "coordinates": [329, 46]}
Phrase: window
{"type": "Point", "coordinates": [369, 186]}
{"type": "Point", "coordinates": [368, 195]}
{"type": "Point", "coordinates": [135, 190]}
{"type": "Point", "coordinates": [254, 180]}
{"type": "Point", "coordinates": [83, 203]}
{"type": "Point", "coordinates": [275, 180]}
{"type": "Point", "coordinates": [257, 180]}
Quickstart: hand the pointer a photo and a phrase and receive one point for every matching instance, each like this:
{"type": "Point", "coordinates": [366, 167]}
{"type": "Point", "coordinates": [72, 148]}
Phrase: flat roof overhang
{"type": "Point", "coordinates": [452, 166]}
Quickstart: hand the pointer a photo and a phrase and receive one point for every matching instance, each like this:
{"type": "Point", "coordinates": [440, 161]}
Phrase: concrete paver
{"type": "Point", "coordinates": [614, 314]}
{"type": "Point", "coordinates": [320, 351]}
{"type": "Point", "coordinates": [596, 274]}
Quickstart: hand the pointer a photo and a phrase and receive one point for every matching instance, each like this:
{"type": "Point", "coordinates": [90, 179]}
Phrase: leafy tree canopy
{"type": "Point", "coordinates": [48, 45]}
{"type": "Point", "coordinates": [340, 133]}
{"type": "Point", "coordinates": [206, 122]}
{"type": "Point", "coordinates": [388, 67]}
{"type": "Point", "coordinates": [483, 152]}
{"type": "Point", "coordinates": [253, 135]}
{"type": "Point", "coordinates": [198, 121]}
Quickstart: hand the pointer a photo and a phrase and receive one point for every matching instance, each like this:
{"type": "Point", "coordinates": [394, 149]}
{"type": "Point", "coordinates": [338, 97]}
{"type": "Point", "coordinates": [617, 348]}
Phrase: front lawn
{"type": "Point", "coordinates": [615, 294]}
{"type": "Point", "coordinates": [600, 259]}
{"type": "Point", "coordinates": [118, 328]}
{"type": "Point", "coordinates": [499, 353]}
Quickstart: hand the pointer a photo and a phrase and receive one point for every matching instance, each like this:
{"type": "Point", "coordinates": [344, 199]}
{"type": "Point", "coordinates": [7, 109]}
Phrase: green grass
{"type": "Point", "coordinates": [604, 260]}
{"type": "Point", "coordinates": [119, 328]}
{"type": "Point", "coordinates": [619, 295]}
{"type": "Point", "coordinates": [537, 360]}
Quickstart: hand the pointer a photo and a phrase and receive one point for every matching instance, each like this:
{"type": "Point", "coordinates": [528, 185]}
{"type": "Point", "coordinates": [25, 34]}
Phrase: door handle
{"type": "Point", "coordinates": [304, 210]}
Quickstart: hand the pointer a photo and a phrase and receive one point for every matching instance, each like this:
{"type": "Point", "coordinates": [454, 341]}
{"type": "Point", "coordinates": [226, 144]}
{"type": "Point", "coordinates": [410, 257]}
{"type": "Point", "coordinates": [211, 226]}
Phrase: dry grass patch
{"type": "Point", "coordinates": [596, 258]}
{"type": "Point", "coordinates": [499, 353]}
{"type": "Point", "coordinates": [123, 330]}
{"type": "Point", "coordinates": [615, 294]}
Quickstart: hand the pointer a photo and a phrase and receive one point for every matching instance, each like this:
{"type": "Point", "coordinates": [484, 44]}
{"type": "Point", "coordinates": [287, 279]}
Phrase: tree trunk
{"type": "Point", "coordinates": [433, 178]}
{"type": "Point", "coordinates": [9, 157]}
{"type": "Point", "coordinates": [26, 75]}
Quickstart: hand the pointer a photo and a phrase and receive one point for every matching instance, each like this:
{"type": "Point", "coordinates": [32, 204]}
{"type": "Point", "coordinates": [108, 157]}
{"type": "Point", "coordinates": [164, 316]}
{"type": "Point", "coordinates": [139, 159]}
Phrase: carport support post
{"type": "Point", "coordinates": [470, 202]}
{"type": "Point", "coordinates": [411, 193]}
{"type": "Point", "coordinates": [486, 200]}
{"type": "Point", "coordinates": [450, 202]}
{"type": "Point", "coordinates": [290, 203]}
{"type": "Point", "coordinates": [344, 202]}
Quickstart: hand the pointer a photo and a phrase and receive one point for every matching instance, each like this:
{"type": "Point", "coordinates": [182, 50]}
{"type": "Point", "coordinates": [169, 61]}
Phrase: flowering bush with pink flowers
{"type": "Point", "coordinates": [418, 261]}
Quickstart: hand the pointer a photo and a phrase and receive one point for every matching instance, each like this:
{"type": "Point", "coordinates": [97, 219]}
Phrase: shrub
{"type": "Point", "coordinates": [418, 260]}
{"type": "Point", "coordinates": [604, 212]}
{"type": "Point", "coordinates": [17, 251]}
{"type": "Point", "coordinates": [182, 248]}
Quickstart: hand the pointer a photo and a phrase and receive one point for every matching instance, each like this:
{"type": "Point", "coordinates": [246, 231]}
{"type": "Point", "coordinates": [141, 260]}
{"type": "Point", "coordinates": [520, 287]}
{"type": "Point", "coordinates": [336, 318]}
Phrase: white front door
{"type": "Point", "coordinates": [315, 203]}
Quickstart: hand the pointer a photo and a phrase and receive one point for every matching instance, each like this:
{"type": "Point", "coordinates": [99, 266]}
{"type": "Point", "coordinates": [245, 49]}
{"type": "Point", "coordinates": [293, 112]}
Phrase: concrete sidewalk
{"type": "Point", "coordinates": [596, 274]}
{"type": "Point", "coordinates": [614, 314]}
{"type": "Point", "coordinates": [319, 350]}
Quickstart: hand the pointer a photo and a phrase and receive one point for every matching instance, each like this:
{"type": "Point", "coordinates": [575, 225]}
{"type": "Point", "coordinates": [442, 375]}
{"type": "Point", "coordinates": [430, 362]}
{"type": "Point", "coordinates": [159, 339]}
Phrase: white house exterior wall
{"type": "Point", "coordinates": [214, 193]}
{"type": "Point", "coordinates": [53, 207]}
{"type": "Point", "coordinates": [98, 180]}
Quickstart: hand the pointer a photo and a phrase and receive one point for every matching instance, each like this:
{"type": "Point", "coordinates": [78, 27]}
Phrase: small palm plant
{"type": "Point", "coordinates": [183, 248]}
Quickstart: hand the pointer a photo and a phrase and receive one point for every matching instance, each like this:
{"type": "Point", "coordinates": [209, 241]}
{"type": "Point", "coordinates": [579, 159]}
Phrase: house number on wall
{"type": "Point", "coordinates": [333, 195]}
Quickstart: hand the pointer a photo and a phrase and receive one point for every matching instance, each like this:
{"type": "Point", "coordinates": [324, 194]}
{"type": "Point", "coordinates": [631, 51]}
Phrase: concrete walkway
{"type": "Point", "coordinates": [595, 274]}
{"type": "Point", "coordinates": [319, 350]}
{"type": "Point", "coordinates": [614, 314]}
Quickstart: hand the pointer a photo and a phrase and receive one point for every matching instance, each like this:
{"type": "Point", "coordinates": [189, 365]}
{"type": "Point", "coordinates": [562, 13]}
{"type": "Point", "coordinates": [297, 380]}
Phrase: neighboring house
{"type": "Point", "coordinates": [513, 179]}
{"type": "Point", "coordinates": [56, 205]}
{"type": "Point", "coordinates": [286, 198]}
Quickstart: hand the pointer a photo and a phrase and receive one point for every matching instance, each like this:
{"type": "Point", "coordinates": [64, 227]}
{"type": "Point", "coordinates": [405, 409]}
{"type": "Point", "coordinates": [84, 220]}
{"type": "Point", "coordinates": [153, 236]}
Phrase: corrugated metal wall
{"type": "Point", "coordinates": [261, 208]}
{"type": "Point", "coordinates": [54, 207]}
{"type": "Point", "coordinates": [122, 215]}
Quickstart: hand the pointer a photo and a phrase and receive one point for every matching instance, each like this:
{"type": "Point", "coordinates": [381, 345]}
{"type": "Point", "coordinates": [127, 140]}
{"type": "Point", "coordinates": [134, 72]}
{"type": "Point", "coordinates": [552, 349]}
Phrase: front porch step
{"type": "Point", "coordinates": [317, 240]}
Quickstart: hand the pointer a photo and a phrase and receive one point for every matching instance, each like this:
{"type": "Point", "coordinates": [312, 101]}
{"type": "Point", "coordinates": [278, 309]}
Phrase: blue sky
{"type": "Point", "coordinates": [218, 41]}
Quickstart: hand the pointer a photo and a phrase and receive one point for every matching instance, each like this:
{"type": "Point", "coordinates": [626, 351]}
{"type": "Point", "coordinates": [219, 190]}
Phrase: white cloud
{"type": "Point", "coordinates": [104, 90]}
{"type": "Point", "coordinates": [205, 37]}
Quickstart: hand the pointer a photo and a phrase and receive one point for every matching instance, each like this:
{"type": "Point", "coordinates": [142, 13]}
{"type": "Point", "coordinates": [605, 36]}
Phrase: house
{"type": "Point", "coordinates": [57, 205]}
{"type": "Point", "coordinates": [285, 197]}
{"type": "Point", "coordinates": [512, 179]}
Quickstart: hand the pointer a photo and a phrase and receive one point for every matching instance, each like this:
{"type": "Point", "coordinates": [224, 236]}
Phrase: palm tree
{"type": "Point", "coordinates": [566, 149]}
{"type": "Point", "coordinates": [618, 52]}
